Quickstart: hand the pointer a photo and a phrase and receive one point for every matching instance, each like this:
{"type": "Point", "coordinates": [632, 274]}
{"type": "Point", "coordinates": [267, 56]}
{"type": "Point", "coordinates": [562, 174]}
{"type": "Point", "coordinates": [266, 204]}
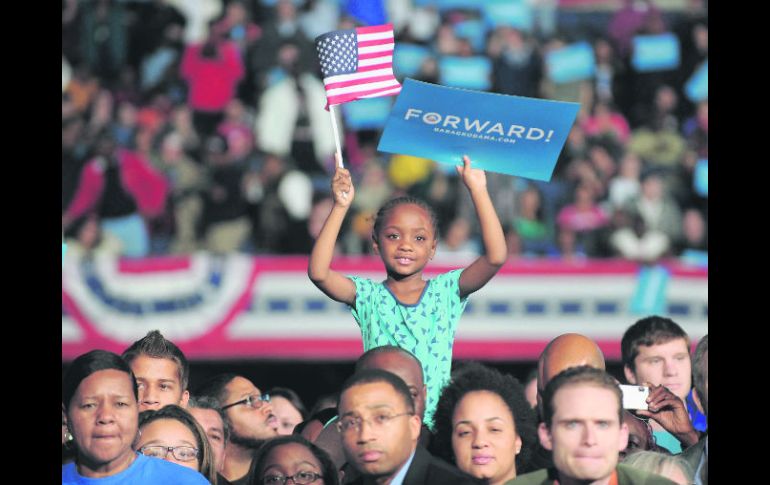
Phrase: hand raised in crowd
{"type": "Point", "coordinates": [670, 411]}
{"type": "Point", "coordinates": [342, 187]}
{"type": "Point", "coordinates": [473, 178]}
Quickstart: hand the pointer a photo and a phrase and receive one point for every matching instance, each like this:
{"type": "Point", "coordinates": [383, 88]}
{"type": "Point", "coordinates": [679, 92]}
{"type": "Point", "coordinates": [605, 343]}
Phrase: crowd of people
{"type": "Point", "coordinates": [131, 418]}
{"type": "Point", "coordinates": [191, 126]}
{"type": "Point", "coordinates": [200, 125]}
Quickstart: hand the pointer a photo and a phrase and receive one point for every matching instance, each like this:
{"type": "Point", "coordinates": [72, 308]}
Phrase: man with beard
{"type": "Point", "coordinates": [251, 420]}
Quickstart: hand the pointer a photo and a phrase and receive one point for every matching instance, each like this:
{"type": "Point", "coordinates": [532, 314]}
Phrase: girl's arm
{"type": "Point", "coordinates": [335, 285]}
{"type": "Point", "coordinates": [495, 251]}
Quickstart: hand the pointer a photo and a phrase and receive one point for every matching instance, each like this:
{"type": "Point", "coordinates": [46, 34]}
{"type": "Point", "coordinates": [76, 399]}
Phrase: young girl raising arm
{"type": "Point", "coordinates": [405, 310]}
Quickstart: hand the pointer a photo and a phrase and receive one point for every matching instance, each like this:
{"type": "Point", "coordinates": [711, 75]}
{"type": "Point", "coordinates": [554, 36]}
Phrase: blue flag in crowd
{"type": "Point", "coordinates": [506, 134]}
{"type": "Point", "coordinates": [368, 12]}
{"type": "Point", "coordinates": [655, 52]}
{"type": "Point", "coordinates": [574, 62]}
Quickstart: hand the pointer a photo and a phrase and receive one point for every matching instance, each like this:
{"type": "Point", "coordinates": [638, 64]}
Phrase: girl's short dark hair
{"type": "Point", "coordinates": [328, 469]}
{"type": "Point", "coordinates": [85, 365]}
{"type": "Point", "coordinates": [474, 376]}
{"type": "Point", "coordinates": [393, 203]}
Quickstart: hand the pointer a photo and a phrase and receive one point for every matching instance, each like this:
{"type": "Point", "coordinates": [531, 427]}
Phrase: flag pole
{"type": "Point", "coordinates": [336, 135]}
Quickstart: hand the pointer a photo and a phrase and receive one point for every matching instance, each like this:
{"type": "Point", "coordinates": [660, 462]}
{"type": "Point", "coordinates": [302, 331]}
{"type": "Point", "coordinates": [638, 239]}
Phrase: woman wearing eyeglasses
{"type": "Point", "coordinates": [292, 459]}
{"type": "Point", "coordinates": [172, 434]}
{"type": "Point", "coordinates": [100, 398]}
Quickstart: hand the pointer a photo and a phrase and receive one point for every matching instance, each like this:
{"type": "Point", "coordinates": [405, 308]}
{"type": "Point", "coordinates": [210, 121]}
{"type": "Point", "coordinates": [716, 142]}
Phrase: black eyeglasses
{"type": "Point", "coordinates": [350, 423]}
{"type": "Point", "coordinates": [181, 453]}
{"type": "Point", "coordinates": [299, 478]}
{"type": "Point", "coordinates": [254, 401]}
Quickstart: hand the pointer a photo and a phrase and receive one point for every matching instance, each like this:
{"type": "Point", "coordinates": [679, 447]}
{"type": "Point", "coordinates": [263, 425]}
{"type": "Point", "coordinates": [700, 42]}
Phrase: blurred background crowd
{"type": "Point", "coordinates": [200, 126]}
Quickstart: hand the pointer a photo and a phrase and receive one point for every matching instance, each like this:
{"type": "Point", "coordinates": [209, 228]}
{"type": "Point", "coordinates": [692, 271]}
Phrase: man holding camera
{"type": "Point", "coordinates": [656, 354]}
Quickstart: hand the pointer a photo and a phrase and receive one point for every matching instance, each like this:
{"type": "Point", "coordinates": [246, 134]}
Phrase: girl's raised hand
{"type": "Point", "coordinates": [473, 178]}
{"type": "Point", "coordinates": [342, 187]}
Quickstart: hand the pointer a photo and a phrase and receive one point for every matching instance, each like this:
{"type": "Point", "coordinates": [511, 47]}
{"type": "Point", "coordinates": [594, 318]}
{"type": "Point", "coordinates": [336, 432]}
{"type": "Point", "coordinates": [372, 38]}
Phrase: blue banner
{"type": "Point", "coordinates": [465, 72]}
{"type": "Point", "coordinates": [697, 87]}
{"type": "Point", "coordinates": [367, 113]}
{"type": "Point", "coordinates": [701, 177]}
{"type": "Point", "coordinates": [655, 52]}
{"type": "Point", "coordinates": [474, 31]}
{"type": "Point", "coordinates": [408, 58]}
{"type": "Point", "coordinates": [575, 62]}
{"type": "Point", "coordinates": [511, 13]}
{"type": "Point", "coordinates": [506, 134]}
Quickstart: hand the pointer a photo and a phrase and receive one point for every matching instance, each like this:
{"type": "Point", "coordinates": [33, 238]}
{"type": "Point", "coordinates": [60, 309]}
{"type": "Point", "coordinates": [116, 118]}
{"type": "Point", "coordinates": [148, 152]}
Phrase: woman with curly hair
{"type": "Point", "coordinates": [484, 424]}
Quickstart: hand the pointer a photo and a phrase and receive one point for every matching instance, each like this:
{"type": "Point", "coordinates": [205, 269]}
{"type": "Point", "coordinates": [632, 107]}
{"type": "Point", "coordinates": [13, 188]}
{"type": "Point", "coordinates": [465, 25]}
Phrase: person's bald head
{"type": "Point", "coordinates": [402, 363]}
{"type": "Point", "coordinates": [563, 352]}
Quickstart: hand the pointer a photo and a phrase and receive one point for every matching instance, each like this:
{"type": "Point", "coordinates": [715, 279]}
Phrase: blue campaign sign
{"type": "Point", "coordinates": [513, 135]}
{"type": "Point", "coordinates": [697, 88]}
{"type": "Point", "coordinates": [367, 113]}
{"type": "Point", "coordinates": [575, 62]}
{"type": "Point", "coordinates": [408, 58]}
{"type": "Point", "coordinates": [475, 31]}
{"type": "Point", "coordinates": [701, 178]}
{"type": "Point", "coordinates": [465, 72]}
{"type": "Point", "coordinates": [447, 4]}
{"type": "Point", "coordinates": [511, 13]}
{"type": "Point", "coordinates": [655, 52]}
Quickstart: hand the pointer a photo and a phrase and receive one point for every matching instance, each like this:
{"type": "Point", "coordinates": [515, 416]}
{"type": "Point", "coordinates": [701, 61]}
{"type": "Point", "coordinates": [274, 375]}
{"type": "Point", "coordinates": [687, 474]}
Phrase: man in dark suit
{"type": "Point", "coordinates": [583, 427]}
{"type": "Point", "coordinates": [380, 429]}
{"type": "Point", "coordinates": [697, 454]}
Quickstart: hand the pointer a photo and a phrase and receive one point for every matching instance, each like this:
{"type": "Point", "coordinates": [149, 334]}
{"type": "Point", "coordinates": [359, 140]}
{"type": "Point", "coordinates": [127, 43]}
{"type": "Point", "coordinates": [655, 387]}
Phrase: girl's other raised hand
{"type": "Point", "coordinates": [473, 178]}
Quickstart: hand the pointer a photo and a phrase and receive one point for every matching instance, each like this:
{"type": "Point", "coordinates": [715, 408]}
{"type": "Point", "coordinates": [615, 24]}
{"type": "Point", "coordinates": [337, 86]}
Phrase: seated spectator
{"type": "Point", "coordinates": [655, 353]}
{"type": "Point", "coordinates": [292, 457]}
{"type": "Point", "coordinates": [312, 427]}
{"type": "Point", "coordinates": [207, 413]}
{"type": "Point", "coordinates": [225, 223]}
{"type": "Point", "coordinates": [530, 388]}
{"type": "Point", "coordinates": [605, 121]}
{"type": "Point", "coordinates": [100, 397]}
{"type": "Point", "coordinates": [288, 408]}
{"type": "Point", "coordinates": [161, 371]}
{"type": "Point", "coordinates": [407, 366]}
{"type": "Point", "coordinates": [172, 434]}
{"type": "Point", "coordinates": [123, 190]}
{"type": "Point", "coordinates": [212, 70]}
{"type": "Point", "coordinates": [248, 414]}
{"type": "Point", "coordinates": [697, 455]}
{"type": "Point", "coordinates": [626, 185]}
{"type": "Point", "coordinates": [85, 238]}
{"type": "Point", "coordinates": [659, 211]}
{"type": "Point", "coordinates": [530, 224]}
{"type": "Point", "coordinates": [565, 351]}
{"type": "Point", "coordinates": [380, 431]}
{"type": "Point", "coordinates": [484, 424]}
{"type": "Point", "coordinates": [633, 240]}
{"type": "Point", "coordinates": [583, 427]}
{"type": "Point", "coordinates": [186, 181]}
{"type": "Point", "coordinates": [584, 218]}
{"type": "Point", "coordinates": [672, 467]}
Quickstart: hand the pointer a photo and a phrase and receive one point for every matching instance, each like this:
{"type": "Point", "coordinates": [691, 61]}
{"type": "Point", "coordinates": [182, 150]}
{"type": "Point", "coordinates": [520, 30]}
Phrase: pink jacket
{"type": "Point", "coordinates": [144, 183]}
{"type": "Point", "coordinates": [212, 82]}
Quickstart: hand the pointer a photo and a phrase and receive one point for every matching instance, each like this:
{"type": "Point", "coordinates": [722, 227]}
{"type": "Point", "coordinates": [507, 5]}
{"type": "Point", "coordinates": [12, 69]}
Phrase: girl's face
{"type": "Point", "coordinates": [103, 418]}
{"type": "Point", "coordinates": [288, 460]}
{"type": "Point", "coordinates": [170, 432]}
{"type": "Point", "coordinates": [406, 241]}
{"type": "Point", "coordinates": [484, 437]}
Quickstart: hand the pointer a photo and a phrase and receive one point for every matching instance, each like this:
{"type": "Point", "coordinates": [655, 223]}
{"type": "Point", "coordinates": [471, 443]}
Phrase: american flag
{"type": "Point", "coordinates": [357, 63]}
